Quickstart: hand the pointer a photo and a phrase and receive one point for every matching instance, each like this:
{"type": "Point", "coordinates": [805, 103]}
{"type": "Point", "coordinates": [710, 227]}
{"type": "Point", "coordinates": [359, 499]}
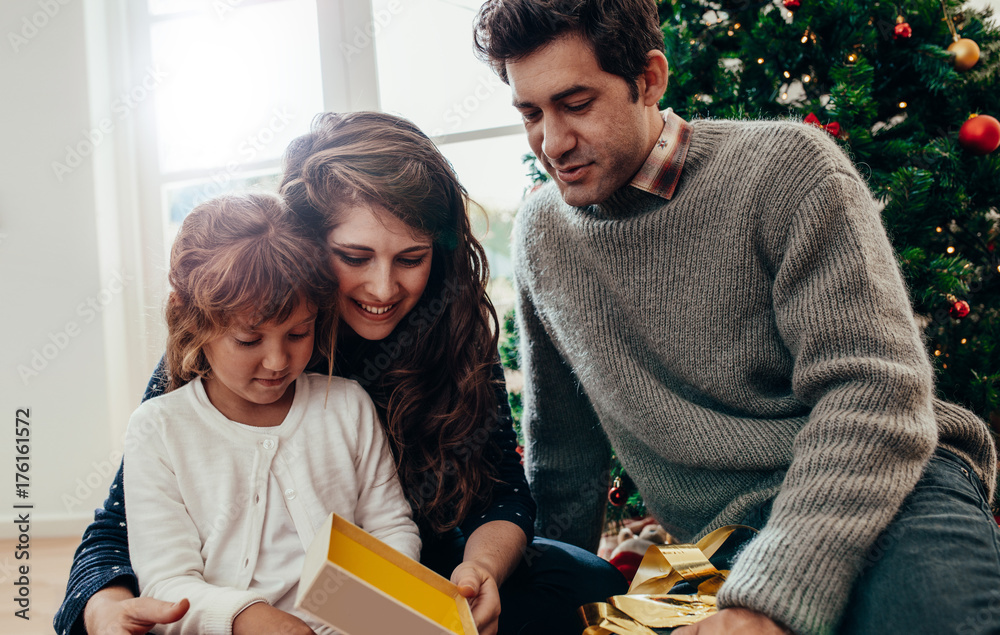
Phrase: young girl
{"type": "Point", "coordinates": [229, 473]}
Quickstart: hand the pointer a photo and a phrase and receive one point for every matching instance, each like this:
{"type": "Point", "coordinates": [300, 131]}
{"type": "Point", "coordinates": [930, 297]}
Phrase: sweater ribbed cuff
{"type": "Point", "coordinates": [219, 618]}
{"type": "Point", "coordinates": [802, 582]}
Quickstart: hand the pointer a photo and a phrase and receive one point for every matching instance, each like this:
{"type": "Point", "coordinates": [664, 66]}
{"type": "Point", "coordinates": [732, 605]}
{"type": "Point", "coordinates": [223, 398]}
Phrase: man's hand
{"type": "Point", "coordinates": [263, 619]}
{"type": "Point", "coordinates": [477, 584]}
{"type": "Point", "coordinates": [115, 611]}
{"type": "Point", "coordinates": [734, 621]}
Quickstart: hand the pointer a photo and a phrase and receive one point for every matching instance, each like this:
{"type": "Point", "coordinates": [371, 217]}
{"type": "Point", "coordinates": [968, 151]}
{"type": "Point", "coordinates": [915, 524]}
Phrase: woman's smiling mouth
{"type": "Point", "coordinates": [373, 311]}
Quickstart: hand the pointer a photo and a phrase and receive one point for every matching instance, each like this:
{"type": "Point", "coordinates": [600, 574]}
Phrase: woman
{"type": "Point", "coordinates": [420, 335]}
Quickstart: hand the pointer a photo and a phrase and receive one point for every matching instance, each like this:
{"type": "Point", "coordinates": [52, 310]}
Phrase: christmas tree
{"type": "Point", "coordinates": [910, 93]}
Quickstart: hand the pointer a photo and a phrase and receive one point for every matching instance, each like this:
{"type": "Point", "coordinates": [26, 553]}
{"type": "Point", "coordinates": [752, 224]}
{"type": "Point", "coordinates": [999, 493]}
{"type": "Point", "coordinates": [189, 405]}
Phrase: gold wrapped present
{"type": "Point", "coordinates": [649, 603]}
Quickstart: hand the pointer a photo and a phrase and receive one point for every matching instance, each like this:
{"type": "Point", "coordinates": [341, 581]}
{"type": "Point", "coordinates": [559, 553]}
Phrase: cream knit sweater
{"type": "Point", "coordinates": [751, 337]}
{"type": "Point", "coordinates": [222, 513]}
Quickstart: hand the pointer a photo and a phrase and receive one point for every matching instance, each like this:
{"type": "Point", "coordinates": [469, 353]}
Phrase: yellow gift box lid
{"type": "Point", "coordinates": [361, 586]}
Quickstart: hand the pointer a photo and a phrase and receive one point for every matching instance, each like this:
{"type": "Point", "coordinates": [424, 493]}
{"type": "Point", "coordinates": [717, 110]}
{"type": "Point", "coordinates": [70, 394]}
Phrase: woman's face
{"type": "Point", "coordinates": [382, 267]}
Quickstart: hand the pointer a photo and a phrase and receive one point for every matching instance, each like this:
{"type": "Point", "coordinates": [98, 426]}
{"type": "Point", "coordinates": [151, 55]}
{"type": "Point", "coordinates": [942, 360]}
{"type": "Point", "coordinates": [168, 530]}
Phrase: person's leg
{"type": "Point", "coordinates": [543, 593]}
{"type": "Point", "coordinates": [552, 581]}
{"type": "Point", "coordinates": [936, 568]}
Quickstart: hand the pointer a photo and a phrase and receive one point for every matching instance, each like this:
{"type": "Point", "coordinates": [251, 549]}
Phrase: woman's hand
{"type": "Point", "coordinates": [492, 553]}
{"type": "Point", "coordinates": [115, 611]}
{"type": "Point", "coordinates": [477, 584]}
{"type": "Point", "coordinates": [736, 621]}
{"type": "Point", "coordinates": [263, 619]}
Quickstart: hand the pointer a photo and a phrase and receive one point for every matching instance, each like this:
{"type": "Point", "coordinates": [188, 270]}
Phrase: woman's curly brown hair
{"type": "Point", "coordinates": [237, 258]}
{"type": "Point", "coordinates": [437, 393]}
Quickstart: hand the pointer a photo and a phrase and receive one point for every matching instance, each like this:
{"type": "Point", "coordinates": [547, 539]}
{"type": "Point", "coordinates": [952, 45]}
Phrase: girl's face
{"type": "Point", "coordinates": [254, 367]}
{"type": "Point", "coordinates": [382, 266]}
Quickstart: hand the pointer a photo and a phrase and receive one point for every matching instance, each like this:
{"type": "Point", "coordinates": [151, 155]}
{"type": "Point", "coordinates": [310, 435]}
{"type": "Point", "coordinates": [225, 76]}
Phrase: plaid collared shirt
{"type": "Point", "coordinates": [662, 169]}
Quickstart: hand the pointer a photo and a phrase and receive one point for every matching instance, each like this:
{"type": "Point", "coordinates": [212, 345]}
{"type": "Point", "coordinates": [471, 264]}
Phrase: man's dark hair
{"type": "Point", "coordinates": [620, 32]}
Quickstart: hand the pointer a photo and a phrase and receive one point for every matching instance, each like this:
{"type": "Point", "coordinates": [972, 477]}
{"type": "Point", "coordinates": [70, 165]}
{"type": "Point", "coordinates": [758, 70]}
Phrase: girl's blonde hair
{"type": "Point", "coordinates": [243, 258]}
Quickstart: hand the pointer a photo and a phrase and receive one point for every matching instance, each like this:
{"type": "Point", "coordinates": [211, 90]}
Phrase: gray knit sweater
{"type": "Point", "coordinates": [751, 337]}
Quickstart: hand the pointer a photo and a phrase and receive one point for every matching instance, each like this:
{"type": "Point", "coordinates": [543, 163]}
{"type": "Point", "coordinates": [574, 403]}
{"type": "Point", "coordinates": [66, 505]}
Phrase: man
{"type": "Point", "coordinates": [719, 300]}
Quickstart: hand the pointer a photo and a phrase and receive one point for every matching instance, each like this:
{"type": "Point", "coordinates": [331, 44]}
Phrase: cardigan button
{"type": "Point", "coordinates": [289, 494]}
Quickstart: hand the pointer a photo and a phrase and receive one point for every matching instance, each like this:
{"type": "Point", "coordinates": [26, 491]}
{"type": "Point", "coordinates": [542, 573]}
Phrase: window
{"type": "Point", "coordinates": [242, 78]}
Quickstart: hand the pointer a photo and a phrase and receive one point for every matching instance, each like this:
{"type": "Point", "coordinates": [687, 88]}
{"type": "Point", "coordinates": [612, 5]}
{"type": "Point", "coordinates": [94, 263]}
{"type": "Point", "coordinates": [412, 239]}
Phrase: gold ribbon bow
{"type": "Point", "coordinates": [649, 603]}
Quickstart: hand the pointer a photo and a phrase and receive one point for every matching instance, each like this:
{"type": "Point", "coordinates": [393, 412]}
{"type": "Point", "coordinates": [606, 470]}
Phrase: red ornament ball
{"type": "Point", "coordinates": [959, 309]}
{"type": "Point", "coordinates": [980, 135]}
{"type": "Point", "coordinates": [902, 31]}
{"type": "Point", "coordinates": [616, 496]}
{"type": "Point", "coordinates": [792, 5]}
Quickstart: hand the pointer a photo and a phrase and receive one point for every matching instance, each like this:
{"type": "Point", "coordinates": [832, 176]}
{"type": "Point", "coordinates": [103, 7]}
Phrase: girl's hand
{"type": "Point", "coordinates": [264, 619]}
{"type": "Point", "coordinates": [475, 582]}
{"type": "Point", "coordinates": [736, 621]}
{"type": "Point", "coordinates": [115, 611]}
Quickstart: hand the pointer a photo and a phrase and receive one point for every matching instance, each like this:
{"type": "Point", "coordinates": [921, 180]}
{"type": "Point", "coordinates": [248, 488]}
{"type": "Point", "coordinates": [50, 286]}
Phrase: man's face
{"type": "Point", "coordinates": [581, 121]}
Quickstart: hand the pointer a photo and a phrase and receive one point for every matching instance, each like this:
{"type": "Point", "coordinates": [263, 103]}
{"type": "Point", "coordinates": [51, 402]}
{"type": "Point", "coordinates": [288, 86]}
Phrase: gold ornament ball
{"type": "Point", "coordinates": [966, 53]}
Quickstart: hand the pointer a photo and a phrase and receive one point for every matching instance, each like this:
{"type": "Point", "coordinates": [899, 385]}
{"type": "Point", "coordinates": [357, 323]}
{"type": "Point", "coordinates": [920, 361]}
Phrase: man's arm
{"type": "Point", "coordinates": [566, 452]}
{"type": "Point", "coordinates": [842, 310]}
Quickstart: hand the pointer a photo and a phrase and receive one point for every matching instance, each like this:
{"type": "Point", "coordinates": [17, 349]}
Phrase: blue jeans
{"type": "Point", "coordinates": [542, 595]}
{"type": "Point", "coordinates": [936, 567]}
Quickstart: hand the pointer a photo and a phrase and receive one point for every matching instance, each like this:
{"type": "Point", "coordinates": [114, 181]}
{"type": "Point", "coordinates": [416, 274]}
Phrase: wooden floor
{"type": "Point", "coordinates": [49, 568]}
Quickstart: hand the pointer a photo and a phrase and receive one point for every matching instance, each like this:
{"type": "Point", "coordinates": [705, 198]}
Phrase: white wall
{"type": "Point", "coordinates": [55, 348]}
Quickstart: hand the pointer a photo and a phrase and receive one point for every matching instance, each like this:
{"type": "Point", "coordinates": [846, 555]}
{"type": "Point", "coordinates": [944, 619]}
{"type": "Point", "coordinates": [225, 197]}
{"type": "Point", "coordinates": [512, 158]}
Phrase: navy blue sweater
{"type": "Point", "coordinates": [102, 559]}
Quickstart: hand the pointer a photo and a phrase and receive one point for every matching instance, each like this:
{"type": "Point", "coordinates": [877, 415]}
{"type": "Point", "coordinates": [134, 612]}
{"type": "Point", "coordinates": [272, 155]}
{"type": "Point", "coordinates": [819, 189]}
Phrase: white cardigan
{"type": "Point", "coordinates": [200, 511]}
